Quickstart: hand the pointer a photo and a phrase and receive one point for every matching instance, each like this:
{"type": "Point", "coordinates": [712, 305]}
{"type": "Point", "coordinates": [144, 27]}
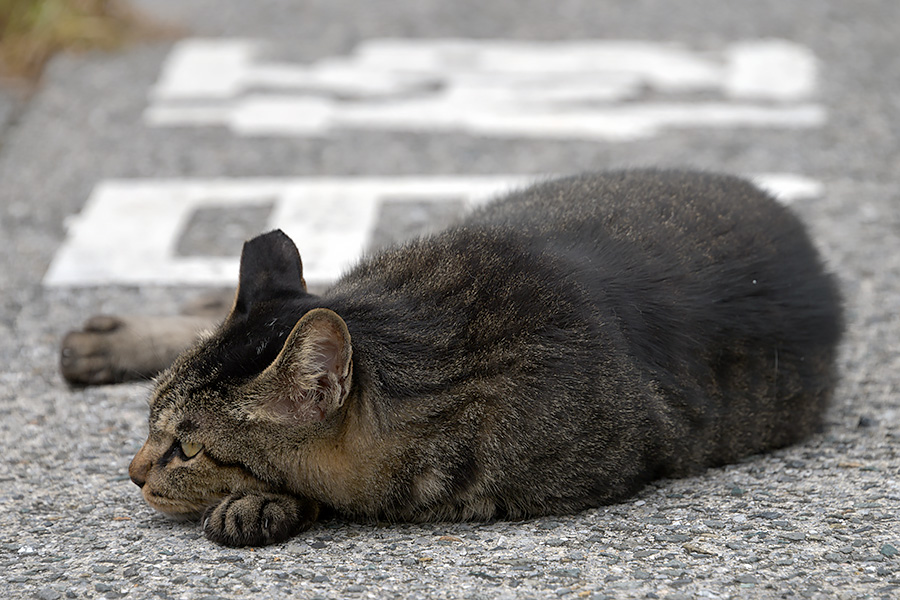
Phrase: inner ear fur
{"type": "Point", "coordinates": [312, 374]}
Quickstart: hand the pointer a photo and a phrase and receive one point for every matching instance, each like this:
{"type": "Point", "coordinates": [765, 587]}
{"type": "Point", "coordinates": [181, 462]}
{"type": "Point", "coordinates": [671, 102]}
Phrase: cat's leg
{"type": "Point", "coordinates": [215, 304]}
{"type": "Point", "coordinates": [114, 349]}
{"type": "Point", "coordinates": [258, 518]}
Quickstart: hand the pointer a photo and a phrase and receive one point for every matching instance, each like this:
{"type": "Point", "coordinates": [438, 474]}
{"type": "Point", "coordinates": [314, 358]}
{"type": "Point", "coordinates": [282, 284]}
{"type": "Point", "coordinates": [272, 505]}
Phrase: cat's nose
{"type": "Point", "coordinates": [139, 468]}
{"type": "Point", "coordinates": [138, 475]}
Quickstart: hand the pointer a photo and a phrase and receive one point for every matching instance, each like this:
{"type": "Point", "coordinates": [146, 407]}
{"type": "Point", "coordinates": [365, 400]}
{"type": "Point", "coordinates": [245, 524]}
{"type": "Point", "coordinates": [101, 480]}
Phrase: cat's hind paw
{"type": "Point", "coordinates": [112, 349]}
{"type": "Point", "coordinates": [258, 519]}
{"type": "Point", "coordinates": [94, 354]}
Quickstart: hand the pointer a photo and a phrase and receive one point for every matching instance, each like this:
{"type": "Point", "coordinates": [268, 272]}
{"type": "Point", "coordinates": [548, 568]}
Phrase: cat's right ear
{"type": "Point", "coordinates": [312, 375]}
{"type": "Point", "coordinates": [270, 269]}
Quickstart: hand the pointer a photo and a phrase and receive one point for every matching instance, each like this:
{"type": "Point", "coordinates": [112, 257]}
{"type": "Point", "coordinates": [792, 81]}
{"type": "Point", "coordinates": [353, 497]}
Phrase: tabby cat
{"type": "Point", "coordinates": [555, 351]}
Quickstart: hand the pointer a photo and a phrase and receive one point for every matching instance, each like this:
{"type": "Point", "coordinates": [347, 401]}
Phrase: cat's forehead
{"type": "Point", "coordinates": [166, 416]}
{"type": "Point", "coordinates": [225, 358]}
{"type": "Point", "coordinates": [182, 399]}
{"type": "Point", "coordinates": [171, 394]}
{"type": "Point", "coordinates": [166, 410]}
{"type": "Point", "coordinates": [178, 388]}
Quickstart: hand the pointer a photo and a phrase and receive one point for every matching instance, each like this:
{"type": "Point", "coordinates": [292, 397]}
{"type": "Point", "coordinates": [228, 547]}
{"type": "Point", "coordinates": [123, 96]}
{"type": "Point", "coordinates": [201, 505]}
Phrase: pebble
{"type": "Point", "coordinates": [678, 538]}
{"type": "Point", "coordinates": [767, 514]}
{"type": "Point", "coordinates": [555, 541]}
{"type": "Point", "coordinates": [231, 558]}
{"type": "Point", "coordinates": [698, 549]}
{"type": "Point", "coordinates": [572, 572]}
{"type": "Point", "coordinates": [639, 574]}
{"type": "Point", "coordinates": [48, 593]}
{"type": "Point", "coordinates": [102, 568]}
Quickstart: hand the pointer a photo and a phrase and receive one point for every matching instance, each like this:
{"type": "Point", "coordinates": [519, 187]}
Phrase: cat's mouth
{"type": "Point", "coordinates": [180, 509]}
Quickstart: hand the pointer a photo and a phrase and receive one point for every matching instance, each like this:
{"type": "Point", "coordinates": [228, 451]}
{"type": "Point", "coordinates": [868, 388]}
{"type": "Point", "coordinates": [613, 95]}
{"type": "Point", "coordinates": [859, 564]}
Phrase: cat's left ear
{"type": "Point", "coordinates": [270, 269]}
{"type": "Point", "coordinates": [311, 377]}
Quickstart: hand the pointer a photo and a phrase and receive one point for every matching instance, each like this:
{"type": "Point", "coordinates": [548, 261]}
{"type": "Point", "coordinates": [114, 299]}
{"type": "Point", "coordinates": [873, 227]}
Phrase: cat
{"type": "Point", "coordinates": [555, 351]}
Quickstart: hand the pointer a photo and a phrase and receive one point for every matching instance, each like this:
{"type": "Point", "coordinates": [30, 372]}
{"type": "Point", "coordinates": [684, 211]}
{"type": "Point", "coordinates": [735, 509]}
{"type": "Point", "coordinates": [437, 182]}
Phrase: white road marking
{"type": "Point", "coordinates": [128, 230]}
{"type": "Point", "coordinates": [611, 90]}
{"type": "Point", "coordinates": [788, 188]}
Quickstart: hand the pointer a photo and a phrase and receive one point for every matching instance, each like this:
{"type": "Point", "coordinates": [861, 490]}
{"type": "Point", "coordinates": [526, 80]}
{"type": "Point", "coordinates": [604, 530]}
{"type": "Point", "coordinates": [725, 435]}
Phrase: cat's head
{"type": "Point", "coordinates": [233, 410]}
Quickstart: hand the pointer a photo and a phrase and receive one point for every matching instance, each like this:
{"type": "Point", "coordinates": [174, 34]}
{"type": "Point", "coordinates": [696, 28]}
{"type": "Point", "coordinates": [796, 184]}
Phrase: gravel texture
{"type": "Point", "coordinates": [817, 520]}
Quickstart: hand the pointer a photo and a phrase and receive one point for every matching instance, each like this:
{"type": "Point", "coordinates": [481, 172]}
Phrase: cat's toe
{"type": "Point", "coordinates": [86, 357]}
{"type": "Point", "coordinates": [256, 519]}
{"type": "Point", "coordinates": [103, 324]}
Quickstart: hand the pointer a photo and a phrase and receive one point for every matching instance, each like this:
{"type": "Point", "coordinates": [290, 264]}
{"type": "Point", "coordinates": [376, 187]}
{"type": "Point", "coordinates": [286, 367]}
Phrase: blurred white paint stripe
{"type": "Point", "coordinates": [205, 69]}
{"type": "Point", "coordinates": [291, 116]}
{"type": "Point", "coordinates": [777, 70]}
{"type": "Point", "coordinates": [129, 229]}
{"type": "Point", "coordinates": [788, 188]}
{"type": "Point", "coordinates": [575, 89]}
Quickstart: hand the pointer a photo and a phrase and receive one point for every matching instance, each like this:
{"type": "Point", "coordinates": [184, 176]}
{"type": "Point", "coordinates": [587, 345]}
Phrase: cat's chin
{"type": "Point", "coordinates": [177, 510]}
{"type": "Point", "coordinates": [183, 517]}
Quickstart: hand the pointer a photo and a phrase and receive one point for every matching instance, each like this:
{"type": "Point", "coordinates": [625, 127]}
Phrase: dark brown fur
{"type": "Point", "coordinates": [556, 351]}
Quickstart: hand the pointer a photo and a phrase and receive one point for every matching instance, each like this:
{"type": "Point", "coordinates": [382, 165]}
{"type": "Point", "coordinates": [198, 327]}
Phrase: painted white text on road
{"type": "Point", "coordinates": [607, 90]}
{"type": "Point", "coordinates": [129, 230]}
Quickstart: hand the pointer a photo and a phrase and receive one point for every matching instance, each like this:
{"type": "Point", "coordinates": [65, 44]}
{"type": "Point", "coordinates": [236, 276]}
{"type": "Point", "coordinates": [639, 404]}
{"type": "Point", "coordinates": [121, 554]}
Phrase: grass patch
{"type": "Point", "coordinates": [31, 31]}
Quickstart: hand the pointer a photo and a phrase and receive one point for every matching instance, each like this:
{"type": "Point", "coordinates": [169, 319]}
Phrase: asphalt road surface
{"type": "Point", "coordinates": [129, 179]}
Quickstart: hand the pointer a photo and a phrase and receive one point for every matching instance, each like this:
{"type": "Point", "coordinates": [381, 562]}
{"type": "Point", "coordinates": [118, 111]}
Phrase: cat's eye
{"type": "Point", "coordinates": [190, 449]}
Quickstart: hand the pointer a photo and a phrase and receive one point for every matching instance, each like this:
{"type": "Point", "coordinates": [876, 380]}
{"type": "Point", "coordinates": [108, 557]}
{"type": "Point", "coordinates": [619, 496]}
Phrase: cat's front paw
{"type": "Point", "coordinates": [258, 519]}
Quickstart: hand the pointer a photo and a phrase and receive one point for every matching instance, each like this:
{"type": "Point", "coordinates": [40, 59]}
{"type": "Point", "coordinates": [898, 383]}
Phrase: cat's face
{"type": "Point", "coordinates": [192, 457]}
{"type": "Point", "coordinates": [181, 478]}
{"type": "Point", "coordinates": [227, 416]}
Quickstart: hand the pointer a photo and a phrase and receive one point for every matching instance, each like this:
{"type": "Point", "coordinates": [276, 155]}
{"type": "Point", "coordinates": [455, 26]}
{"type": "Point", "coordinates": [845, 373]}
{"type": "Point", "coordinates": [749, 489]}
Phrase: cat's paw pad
{"type": "Point", "coordinates": [89, 356]}
{"type": "Point", "coordinates": [258, 519]}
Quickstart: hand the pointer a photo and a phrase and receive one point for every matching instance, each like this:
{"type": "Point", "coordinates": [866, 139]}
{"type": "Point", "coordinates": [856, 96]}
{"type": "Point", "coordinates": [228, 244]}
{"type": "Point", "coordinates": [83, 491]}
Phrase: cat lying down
{"type": "Point", "coordinates": [555, 351]}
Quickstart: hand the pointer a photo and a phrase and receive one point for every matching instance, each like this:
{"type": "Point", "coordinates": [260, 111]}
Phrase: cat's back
{"type": "Point", "coordinates": [648, 208]}
{"type": "Point", "coordinates": [638, 323]}
{"type": "Point", "coordinates": [716, 288]}
{"type": "Point", "coordinates": [680, 246]}
{"type": "Point", "coordinates": [673, 246]}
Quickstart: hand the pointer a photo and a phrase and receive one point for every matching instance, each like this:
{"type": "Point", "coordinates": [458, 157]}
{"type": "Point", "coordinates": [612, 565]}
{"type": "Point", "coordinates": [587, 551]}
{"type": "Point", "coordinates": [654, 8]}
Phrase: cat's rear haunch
{"type": "Point", "coordinates": [555, 351]}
